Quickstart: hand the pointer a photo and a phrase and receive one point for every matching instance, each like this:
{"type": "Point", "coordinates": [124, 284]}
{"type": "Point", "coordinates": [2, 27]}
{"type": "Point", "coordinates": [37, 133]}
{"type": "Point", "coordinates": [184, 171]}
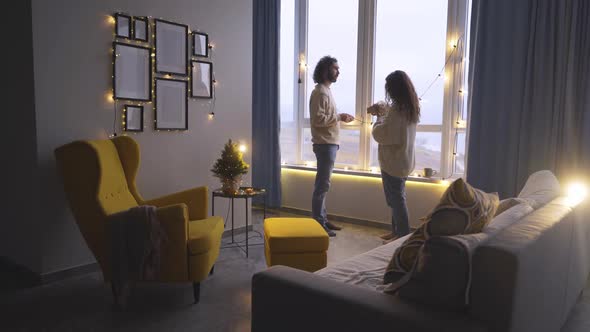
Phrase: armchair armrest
{"type": "Point", "coordinates": [287, 299]}
{"type": "Point", "coordinates": [196, 199]}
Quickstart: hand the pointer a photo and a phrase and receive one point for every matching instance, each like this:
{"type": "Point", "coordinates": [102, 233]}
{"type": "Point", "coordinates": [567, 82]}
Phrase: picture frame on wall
{"type": "Point", "coordinates": [140, 29]}
{"type": "Point", "coordinates": [171, 104]}
{"type": "Point", "coordinates": [200, 43]}
{"type": "Point", "coordinates": [171, 42]}
{"type": "Point", "coordinates": [132, 74]}
{"type": "Point", "coordinates": [201, 79]}
{"type": "Point", "coordinates": [122, 25]}
{"type": "Point", "coordinates": [133, 117]}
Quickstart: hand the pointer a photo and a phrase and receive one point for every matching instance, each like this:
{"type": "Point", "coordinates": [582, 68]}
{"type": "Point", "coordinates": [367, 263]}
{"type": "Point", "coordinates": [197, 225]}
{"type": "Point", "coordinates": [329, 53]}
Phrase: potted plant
{"type": "Point", "coordinates": [230, 168]}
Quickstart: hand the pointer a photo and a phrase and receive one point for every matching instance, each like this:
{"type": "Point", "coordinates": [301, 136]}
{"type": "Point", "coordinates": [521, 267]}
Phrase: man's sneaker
{"type": "Point", "coordinates": [332, 226]}
{"type": "Point", "coordinates": [330, 232]}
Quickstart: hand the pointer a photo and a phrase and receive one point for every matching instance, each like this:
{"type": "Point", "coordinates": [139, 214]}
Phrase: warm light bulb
{"type": "Point", "coordinates": [576, 192]}
{"type": "Point", "coordinates": [461, 123]}
{"type": "Point", "coordinates": [444, 182]}
{"type": "Point", "coordinates": [111, 20]}
{"type": "Point", "coordinates": [242, 148]}
{"type": "Point", "coordinates": [211, 116]}
{"type": "Point", "coordinates": [109, 97]}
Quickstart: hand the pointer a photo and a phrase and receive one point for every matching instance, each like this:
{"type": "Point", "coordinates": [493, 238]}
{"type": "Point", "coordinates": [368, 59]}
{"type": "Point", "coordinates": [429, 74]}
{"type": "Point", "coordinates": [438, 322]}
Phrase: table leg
{"type": "Point", "coordinates": [232, 220]}
{"type": "Point", "coordinates": [246, 199]}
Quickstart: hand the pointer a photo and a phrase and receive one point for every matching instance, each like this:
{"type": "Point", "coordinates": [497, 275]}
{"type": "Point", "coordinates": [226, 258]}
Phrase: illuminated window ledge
{"type": "Point", "coordinates": [369, 174]}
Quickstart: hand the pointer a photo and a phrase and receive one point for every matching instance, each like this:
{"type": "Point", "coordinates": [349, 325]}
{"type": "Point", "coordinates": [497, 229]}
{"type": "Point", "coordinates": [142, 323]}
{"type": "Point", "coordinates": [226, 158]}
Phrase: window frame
{"type": "Point", "coordinates": [454, 102]}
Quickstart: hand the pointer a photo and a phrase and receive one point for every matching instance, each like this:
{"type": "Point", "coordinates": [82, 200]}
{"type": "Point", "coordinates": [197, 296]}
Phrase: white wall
{"type": "Point", "coordinates": [358, 197]}
{"type": "Point", "coordinates": [72, 64]}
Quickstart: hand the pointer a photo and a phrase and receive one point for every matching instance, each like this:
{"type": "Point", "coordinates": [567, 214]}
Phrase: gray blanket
{"type": "Point", "coordinates": [136, 240]}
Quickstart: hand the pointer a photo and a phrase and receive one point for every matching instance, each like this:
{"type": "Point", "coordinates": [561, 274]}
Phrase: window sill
{"type": "Point", "coordinates": [361, 173]}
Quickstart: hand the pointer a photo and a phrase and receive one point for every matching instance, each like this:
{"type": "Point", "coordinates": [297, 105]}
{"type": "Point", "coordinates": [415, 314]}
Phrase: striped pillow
{"type": "Point", "coordinates": [462, 210]}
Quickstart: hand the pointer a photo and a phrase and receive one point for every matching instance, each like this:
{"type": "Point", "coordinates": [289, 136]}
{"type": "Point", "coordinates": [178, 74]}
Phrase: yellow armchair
{"type": "Point", "coordinates": [99, 180]}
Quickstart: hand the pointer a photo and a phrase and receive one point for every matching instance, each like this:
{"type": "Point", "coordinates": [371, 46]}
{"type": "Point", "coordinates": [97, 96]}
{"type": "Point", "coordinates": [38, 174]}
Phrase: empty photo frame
{"type": "Point", "coordinates": [171, 111]}
{"type": "Point", "coordinates": [201, 79]}
{"type": "Point", "coordinates": [200, 44]}
{"type": "Point", "coordinates": [171, 41]}
{"type": "Point", "coordinates": [133, 117]}
{"type": "Point", "coordinates": [132, 74]}
{"type": "Point", "coordinates": [140, 28]}
{"type": "Point", "coordinates": [122, 25]}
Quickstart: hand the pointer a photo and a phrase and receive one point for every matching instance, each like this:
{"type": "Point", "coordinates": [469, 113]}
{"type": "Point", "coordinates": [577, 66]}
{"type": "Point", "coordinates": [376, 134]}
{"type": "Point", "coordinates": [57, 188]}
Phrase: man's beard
{"type": "Point", "coordinates": [332, 78]}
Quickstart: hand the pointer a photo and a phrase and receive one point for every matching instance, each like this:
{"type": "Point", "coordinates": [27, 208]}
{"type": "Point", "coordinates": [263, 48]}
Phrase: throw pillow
{"type": "Point", "coordinates": [443, 272]}
{"type": "Point", "coordinates": [461, 210]}
{"type": "Point", "coordinates": [541, 188]}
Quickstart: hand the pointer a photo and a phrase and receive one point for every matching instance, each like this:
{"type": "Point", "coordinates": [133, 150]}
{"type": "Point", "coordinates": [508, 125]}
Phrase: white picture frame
{"type": "Point", "coordinates": [132, 74]}
{"type": "Point", "coordinates": [140, 29]}
{"type": "Point", "coordinates": [201, 79]}
{"type": "Point", "coordinates": [133, 117]}
{"type": "Point", "coordinates": [171, 106]}
{"type": "Point", "coordinates": [122, 25]}
{"type": "Point", "coordinates": [200, 42]}
{"type": "Point", "coordinates": [171, 42]}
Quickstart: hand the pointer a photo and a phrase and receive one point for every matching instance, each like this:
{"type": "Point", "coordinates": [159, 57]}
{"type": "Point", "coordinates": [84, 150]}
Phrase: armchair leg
{"type": "Point", "coordinates": [212, 270]}
{"type": "Point", "coordinates": [196, 291]}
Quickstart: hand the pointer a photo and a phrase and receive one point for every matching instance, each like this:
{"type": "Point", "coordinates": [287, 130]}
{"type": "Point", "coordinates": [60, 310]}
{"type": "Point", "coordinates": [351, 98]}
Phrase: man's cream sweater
{"type": "Point", "coordinates": [396, 136]}
{"type": "Point", "coordinates": [325, 128]}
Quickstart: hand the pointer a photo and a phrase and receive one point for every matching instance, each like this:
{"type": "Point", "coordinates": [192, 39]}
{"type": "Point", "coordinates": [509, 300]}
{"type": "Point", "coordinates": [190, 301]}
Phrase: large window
{"type": "Point", "coordinates": [370, 39]}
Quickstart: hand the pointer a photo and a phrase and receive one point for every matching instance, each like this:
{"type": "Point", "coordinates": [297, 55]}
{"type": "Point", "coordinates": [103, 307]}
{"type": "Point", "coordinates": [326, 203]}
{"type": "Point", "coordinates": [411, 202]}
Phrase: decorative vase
{"type": "Point", "coordinates": [231, 186]}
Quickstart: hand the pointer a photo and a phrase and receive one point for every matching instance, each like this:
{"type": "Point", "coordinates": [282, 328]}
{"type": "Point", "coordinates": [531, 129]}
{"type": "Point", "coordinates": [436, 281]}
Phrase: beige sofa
{"type": "Point", "coordinates": [525, 275]}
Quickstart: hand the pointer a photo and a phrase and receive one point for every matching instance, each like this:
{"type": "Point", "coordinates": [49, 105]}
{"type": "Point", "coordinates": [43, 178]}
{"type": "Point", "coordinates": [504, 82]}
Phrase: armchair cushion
{"type": "Point", "coordinates": [204, 234]}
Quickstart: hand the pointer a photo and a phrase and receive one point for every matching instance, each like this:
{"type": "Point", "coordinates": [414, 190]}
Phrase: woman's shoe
{"type": "Point", "coordinates": [387, 236]}
{"type": "Point", "coordinates": [390, 240]}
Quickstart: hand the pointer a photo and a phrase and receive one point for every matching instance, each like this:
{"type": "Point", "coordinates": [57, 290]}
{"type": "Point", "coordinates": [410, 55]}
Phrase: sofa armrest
{"type": "Point", "coordinates": [287, 299]}
{"type": "Point", "coordinates": [196, 199]}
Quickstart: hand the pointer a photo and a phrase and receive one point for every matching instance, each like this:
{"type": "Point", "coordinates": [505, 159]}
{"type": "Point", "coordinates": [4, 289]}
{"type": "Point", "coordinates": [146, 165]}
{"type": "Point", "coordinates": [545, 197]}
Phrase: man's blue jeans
{"type": "Point", "coordinates": [326, 156]}
{"type": "Point", "coordinates": [395, 195]}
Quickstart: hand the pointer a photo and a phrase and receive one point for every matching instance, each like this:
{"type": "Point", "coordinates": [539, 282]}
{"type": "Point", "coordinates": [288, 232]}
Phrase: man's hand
{"type": "Point", "coordinates": [344, 117]}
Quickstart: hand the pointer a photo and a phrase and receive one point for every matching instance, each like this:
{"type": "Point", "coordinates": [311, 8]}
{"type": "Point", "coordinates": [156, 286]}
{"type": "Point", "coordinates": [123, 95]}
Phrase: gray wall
{"type": "Point", "coordinates": [72, 64]}
{"type": "Point", "coordinates": [19, 238]}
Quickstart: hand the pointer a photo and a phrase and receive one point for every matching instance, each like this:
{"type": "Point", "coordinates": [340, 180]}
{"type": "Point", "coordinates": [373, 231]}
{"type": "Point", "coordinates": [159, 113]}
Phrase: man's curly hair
{"type": "Point", "coordinates": [320, 73]}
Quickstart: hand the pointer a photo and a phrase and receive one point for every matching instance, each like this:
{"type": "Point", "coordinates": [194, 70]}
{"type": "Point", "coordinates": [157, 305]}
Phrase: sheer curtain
{"type": "Point", "coordinates": [529, 92]}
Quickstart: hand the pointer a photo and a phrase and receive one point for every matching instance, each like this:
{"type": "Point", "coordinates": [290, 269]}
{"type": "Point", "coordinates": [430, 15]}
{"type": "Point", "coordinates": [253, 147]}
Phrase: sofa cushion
{"type": "Point", "coordinates": [507, 203]}
{"type": "Point", "coordinates": [443, 271]}
{"type": "Point", "coordinates": [461, 210]}
{"type": "Point", "coordinates": [540, 188]}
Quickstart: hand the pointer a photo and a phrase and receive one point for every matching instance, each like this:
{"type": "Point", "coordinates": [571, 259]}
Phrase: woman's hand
{"type": "Point", "coordinates": [345, 117]}
{"type": "Point", "coordinates": [377, 108]}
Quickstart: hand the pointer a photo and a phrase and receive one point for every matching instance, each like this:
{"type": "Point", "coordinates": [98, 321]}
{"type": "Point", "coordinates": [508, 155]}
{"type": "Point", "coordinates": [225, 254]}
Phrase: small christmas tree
{"type": "Point", "coordinates": [230, 165]}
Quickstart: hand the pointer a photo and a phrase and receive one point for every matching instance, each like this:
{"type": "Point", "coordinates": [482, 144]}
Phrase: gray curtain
{"type": "Point", "coordinates": [266, 124]}
{"type": "Point", "coordinates": [529, 92]}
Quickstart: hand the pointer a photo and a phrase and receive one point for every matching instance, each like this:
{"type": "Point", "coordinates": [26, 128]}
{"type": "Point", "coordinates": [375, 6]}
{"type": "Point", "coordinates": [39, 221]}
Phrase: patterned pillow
{"type": "Point", "coordinates": [462, 210]}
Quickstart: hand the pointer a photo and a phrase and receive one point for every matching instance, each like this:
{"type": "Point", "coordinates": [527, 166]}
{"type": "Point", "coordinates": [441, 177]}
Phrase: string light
{"type": "Point", "coordinates": [302, 67]}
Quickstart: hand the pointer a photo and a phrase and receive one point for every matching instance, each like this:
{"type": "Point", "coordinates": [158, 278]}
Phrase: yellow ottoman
{"type": "Point", "coordinates": [296, 242]}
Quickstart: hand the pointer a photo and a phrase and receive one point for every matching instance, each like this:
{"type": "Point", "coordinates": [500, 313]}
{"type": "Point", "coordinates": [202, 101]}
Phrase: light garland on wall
{"type": "Point", "coordinates": [111, 21]}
